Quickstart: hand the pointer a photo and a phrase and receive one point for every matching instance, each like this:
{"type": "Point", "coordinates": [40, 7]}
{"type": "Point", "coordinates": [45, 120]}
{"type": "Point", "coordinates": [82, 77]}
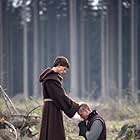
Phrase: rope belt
{"type": "Point", "coordinates": [48, 100]}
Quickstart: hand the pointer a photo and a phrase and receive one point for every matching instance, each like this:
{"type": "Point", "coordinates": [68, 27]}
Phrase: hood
{"type": "Point", "coordinates": [44, 74]}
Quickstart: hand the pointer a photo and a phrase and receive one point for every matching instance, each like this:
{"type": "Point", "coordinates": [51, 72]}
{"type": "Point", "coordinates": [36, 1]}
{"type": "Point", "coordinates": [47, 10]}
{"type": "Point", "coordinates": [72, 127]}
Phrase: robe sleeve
{"type": "Point", "coordinates": [58, 94]}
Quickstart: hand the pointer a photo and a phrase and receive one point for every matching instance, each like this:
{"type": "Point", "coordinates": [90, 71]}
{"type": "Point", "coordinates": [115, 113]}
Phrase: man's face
{"type": "Point", "coordinates": [84, 114]}
{"type": "Point", "coordinates": [61, 69]}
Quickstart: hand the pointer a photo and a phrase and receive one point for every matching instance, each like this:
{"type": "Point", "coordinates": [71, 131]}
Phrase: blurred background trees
{"type": "Point", "coordinates": [99, 37]}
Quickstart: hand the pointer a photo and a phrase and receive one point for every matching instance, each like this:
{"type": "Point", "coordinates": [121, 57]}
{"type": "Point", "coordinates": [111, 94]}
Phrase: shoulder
{"type": "Point", "coordinates": [97, 122]}
{"type": "Point", "coordinates": [49, 74]}
{"type": "Point", "coordinates": [98, 117]}
{"type": "Point", "coordinates": [53, 78]}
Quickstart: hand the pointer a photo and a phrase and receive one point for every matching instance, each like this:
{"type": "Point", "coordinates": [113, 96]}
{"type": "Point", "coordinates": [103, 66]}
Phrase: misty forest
{"type": "Point", "coordinates": [101, 40]}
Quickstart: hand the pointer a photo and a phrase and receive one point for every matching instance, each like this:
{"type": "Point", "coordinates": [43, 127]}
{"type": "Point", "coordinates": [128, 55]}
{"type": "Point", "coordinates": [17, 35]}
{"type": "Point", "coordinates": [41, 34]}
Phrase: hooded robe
{"type": "Point", "coordinates": [52, 127]}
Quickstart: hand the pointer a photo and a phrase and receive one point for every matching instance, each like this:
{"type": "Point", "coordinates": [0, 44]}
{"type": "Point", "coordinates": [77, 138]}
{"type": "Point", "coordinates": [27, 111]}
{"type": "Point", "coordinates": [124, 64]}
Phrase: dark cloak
{"type": "Point", "coordinates": [52, 127]}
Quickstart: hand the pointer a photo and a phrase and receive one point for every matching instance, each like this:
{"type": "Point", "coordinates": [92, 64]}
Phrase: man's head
{"type": "Point", "coordinates": [61, 64]}
{"type": "Point", "coordinates": [84, 111]}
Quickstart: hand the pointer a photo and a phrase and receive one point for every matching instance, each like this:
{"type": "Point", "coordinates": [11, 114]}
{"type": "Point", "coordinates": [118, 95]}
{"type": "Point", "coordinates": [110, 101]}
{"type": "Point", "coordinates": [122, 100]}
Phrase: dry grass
{"type": "Point", "coordinates": [115, 113]}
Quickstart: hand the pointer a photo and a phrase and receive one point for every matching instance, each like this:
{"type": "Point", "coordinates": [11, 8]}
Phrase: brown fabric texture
{"type": "Point", "coordinates": [52, 127]}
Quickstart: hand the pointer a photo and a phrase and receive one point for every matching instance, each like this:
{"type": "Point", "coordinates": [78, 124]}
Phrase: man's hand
{"type": "Point", "coordinates": [82, 128]}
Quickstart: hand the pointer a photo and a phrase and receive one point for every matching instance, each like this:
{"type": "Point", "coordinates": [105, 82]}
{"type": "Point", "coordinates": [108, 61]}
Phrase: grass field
{"type": "Point", "coordinates": [116, 114]}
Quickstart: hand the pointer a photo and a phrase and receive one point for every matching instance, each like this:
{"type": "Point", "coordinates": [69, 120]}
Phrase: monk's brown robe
{"type": "Point", "coordinates": [52, 127]}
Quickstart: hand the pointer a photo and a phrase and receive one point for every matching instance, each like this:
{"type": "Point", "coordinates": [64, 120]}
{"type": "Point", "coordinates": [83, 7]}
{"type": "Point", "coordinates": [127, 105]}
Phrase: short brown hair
{"type": "Point", "coordinates": [84, 107]}
{"type": "Point", "coordinates": [62, 61]}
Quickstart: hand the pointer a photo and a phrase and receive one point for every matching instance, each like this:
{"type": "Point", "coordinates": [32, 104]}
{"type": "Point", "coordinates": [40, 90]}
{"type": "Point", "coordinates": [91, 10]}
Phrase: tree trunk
{"type": "Point", "coordinates": [73, 49]}
{"type": "Point", "coordinates": [35, 52]}
{"type": "Point", "coordinates": [82, 64]}
{"type": "Point", "coordinates": [103, 58]}
{"type": "Point", "coordinates": [1, 44]}
{"type": "Point", "coordinates": [134, 63]}
{"type": "Point", "coordinates": [120, 47]}
{"type": "Point", "coordinates": [25, 60]}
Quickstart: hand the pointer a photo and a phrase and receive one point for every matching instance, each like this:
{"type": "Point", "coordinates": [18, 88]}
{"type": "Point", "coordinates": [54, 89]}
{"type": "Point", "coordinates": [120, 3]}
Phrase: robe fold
{"type": "Point", "coordinates": [52, 127]}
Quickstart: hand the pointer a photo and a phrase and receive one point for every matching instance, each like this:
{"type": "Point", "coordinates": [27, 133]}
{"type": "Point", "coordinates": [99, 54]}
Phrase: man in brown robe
{"type": "Point", "coordinates": [55, 101]}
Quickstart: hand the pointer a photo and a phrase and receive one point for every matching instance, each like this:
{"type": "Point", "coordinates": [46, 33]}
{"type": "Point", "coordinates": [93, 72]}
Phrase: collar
{"type": "Point", "coordinates": [92, 114]}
